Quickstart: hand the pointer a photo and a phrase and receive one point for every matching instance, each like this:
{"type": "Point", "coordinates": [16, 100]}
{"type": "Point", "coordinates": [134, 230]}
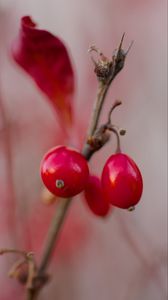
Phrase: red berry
{"type": "Point", "coordinates": [122, 181]}
{"type": "Point", "coordinates": [94, 197]}
{"type": "Point", "coordinates": [64, 171]}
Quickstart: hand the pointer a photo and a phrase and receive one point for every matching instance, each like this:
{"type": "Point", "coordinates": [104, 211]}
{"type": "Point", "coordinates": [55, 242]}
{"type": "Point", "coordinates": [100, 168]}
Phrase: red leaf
{"type": "Point", "coordinates": [45, 58]}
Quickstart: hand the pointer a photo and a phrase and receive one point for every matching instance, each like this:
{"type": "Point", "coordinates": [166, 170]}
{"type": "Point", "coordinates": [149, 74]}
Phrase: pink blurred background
{"type": "Point", "coordinates": [125, 256]}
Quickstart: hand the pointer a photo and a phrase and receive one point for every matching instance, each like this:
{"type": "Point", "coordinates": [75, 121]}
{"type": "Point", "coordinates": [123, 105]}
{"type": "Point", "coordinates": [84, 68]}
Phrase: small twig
{"type": "Point", "coordinates": [31, 271]}
{"type": "Point", "coordinates": [52, 237]}
{"type": "Point", "coordinates": [5, 251]}
{"type": "Point", "coordinates": [49, 245]}
{"type": "Point", "coordinates": [9, 163]}
{"type": "Point", "coordinates": [27, 259]}
{"type": "Point", "coordinates": [116, 103]}
{"type": "Point", "coordinates": [102, 91]}
{"type": "Point", "coordinates": [113, 129]}
{"type": "Point", "coordinates": [16, 267]}
{"type": "Point", "coordinates": [31, 294]}
{"type": "Point", "coordinates": [109, 69]}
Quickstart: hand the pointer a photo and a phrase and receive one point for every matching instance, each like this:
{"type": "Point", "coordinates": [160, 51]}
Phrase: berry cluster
{"type": "Point", "coordinates": [65, 173]}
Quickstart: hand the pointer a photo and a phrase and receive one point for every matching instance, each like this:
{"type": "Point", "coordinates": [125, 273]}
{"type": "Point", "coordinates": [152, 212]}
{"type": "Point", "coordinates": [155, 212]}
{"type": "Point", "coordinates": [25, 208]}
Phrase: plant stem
{"type": "Point", "coordinates": [32, 294]}
{"type": "Point", "coordinates": [53, 233]}
{"type": "Point", "coordinates": [50, 243]}
{"type": "Point", "coordinates": [102, 91]}
{"type": "Point", "coordinates": [9, 165]}
{"type": "Point", "coordinates": [55, 227]}
{"type": "Point", "coordinates": [64, 204]}
{"type": "Point", "coordinates": [61, 211]}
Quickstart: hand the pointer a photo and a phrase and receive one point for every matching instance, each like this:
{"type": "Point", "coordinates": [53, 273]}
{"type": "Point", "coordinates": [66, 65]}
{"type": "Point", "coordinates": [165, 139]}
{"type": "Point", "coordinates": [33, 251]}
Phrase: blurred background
{"type": "Point", "coordinates": [123, 257]}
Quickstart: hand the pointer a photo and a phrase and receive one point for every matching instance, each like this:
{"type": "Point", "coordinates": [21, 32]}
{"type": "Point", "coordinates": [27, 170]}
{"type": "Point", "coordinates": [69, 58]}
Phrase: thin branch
{"type": "Point", "coordinates": [53, 233]}
{"type": "Point", "coordinates": [116, 103]}
{"type": "Point", "coordinates": [17, 265]}
{"type": "Point", "coordinates": [8, 161]}
{"type": "Point", "coordinates": [49, 245]}
{"type": "Point", "coordinates": [32, 294]}
{"type": "Point", "coordinates": [102, 91]}
{"type": "Point", "coordinates": [115, 66]}
{"type": "Point", "coordinates": [118, 148]}
{"type": "Point", "coordinates": [15, 251]}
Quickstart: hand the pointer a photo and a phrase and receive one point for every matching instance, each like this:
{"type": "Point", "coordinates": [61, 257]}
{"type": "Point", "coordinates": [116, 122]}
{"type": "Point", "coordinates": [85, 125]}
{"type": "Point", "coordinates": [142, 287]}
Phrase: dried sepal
{"type": "Point", "coordinates": [106, 69]}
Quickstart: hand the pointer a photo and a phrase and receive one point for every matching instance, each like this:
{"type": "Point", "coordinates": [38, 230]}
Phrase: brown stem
{"type": "Point", "coordinates": [102, 91]}
{"type": "Point", "coordinates": [116, 103]}
{"type": "Point", "coordinates": [31, 294]}
{"type": "Point", "coordinates": [4, 251]}
{"type": "Point", "coordinates": [118, 148]}
{"type": "Point", "coordinates": [58, 220]}
{"type": "Point", "coordinates": [62, 209]}
{"type": "Point", "coordinates": [50, 244]}
{"type": "Point", "coordinates": [53, 233]}
{"type": "Point", "coordinates": [9, 162]}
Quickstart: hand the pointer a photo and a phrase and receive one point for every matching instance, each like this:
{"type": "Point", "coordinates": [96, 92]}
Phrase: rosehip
{"type": "Point", "coordinates": [122, 181]}
{"type": "Point", "coordinates": [64, 171]}
{"type": "Point", "coordinates": [94, 197]}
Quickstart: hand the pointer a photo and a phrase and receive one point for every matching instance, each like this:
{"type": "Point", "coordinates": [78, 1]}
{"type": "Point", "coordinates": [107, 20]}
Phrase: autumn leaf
{"type": "Point", "coordinates": [45, 58]}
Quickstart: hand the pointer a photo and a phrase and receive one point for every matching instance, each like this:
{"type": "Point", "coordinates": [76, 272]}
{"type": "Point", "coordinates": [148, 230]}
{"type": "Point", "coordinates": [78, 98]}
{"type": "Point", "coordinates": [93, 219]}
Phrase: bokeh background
{"type": "Point", "coordinates": [123, 257]}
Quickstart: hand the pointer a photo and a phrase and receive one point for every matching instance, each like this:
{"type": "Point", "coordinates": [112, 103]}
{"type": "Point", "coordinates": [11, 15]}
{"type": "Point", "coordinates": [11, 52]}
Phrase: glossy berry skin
{"type": "Point", "coordinates": [64, 171]}
{"type": "Point", "coordinates": [94, 197]}
{"type": "Point", "coordinates": [122, 181]}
